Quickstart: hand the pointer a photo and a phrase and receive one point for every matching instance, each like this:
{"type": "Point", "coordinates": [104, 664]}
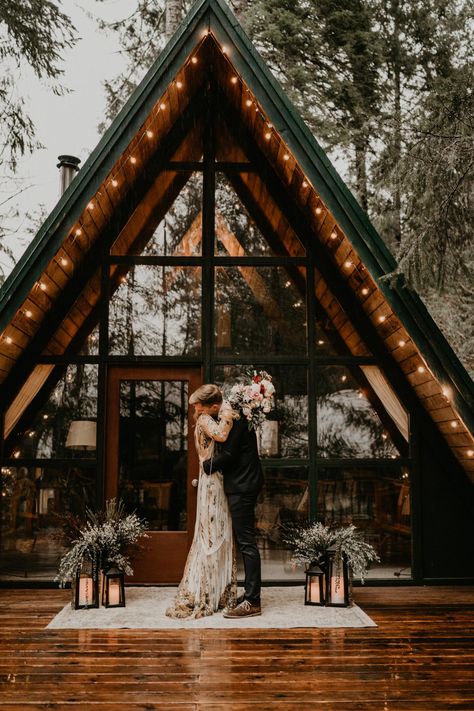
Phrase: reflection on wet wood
{"type": "Point", "coordinates": [421, 656]}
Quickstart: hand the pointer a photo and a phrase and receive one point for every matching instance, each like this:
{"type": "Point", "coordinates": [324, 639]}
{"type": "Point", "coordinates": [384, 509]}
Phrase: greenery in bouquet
{"type": "Point", "coordinates": [253, 398]}
{"type": "Point", "coordinates": [105, 538]}
{"type": "Point", "coordinates": [310, 541]}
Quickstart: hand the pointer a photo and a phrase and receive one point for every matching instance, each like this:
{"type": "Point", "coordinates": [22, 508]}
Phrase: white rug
{"type": "Point", "coordinates": [282, 608]}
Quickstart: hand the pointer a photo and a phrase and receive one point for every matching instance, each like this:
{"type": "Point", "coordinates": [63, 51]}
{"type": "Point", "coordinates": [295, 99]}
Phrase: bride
{"type": "Point", "coordinates": [209, 581]}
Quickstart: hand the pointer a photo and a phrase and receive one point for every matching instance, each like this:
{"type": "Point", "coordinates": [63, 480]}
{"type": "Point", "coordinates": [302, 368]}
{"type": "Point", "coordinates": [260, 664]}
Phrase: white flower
{"type": "Point", "coordinates": [269, 388]}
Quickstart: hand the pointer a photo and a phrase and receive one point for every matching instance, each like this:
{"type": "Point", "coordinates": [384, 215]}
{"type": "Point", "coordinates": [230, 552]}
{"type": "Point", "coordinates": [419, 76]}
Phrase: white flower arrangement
{"type": "Point", "coordinates": [310, 542]}
{"type": "Point", "coordinates": [103, 539]}
{"type": "Point", "coordinates": [255, 399]}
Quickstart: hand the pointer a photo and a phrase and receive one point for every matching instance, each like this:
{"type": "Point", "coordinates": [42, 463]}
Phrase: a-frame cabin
{"type": "Point", "coordinates": [208, 232]}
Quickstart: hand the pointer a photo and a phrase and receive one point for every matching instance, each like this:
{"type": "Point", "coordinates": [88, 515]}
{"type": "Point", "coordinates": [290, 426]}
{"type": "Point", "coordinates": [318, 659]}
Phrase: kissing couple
{"type": "Point", "coordinates": [230, 480]}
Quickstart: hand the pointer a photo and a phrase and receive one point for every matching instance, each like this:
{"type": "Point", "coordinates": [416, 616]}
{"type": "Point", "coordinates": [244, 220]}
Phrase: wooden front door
{"type": "Point", "coordinates": [151, 461]}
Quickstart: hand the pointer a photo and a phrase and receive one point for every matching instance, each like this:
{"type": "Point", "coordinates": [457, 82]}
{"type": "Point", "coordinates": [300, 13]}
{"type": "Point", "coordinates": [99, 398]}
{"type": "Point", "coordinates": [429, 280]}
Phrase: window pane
{"type": "Point", "coordinates": [153, 451]}
{"type": "Point", "coordinates": [260, 310]}
{"type": "Point", "coordinates": [32, 498]}
{"type": "Point", "coordinates": [283, 501]}
{"type": "Point", "coordinates": [65, 426]}
{"type": "Point", "coordinates": [351, 419]}
{"type": "Point", "coordinates": [377, 501]}
{"type": "Point", "coordinates": [285, 432]}
{"type": "Point", "coordinates": [156, 311]}
{"type": "Point", "coordinates": [168, 221]}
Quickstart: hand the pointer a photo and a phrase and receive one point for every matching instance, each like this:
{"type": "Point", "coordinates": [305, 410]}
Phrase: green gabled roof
{"type": "Point", "coordinates": [217, 17]}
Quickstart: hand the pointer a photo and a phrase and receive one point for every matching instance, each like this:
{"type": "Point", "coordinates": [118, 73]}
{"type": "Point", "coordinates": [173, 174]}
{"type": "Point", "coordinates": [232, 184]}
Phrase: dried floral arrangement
{"type": "Point", "coordinates": [105, 538]}
{"type": "Point", "coordinates": [310, 541]}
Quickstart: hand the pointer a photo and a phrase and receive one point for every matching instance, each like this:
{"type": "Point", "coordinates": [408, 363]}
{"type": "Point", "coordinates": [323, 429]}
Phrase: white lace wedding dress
{"type": "Point", "coordinates": [209, 581]}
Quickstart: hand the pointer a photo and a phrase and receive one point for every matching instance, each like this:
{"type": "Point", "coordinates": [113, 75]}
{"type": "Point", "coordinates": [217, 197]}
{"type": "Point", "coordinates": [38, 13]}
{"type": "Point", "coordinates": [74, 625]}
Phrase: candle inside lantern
{"type": "Point", "coordinates": [314, 594]}
{"type": "Point", "coordinates": [85, 591]}
{"type": "Point", "coordinates": [337, 582]}
{"type": "Point", "coordinates": [114, 592]}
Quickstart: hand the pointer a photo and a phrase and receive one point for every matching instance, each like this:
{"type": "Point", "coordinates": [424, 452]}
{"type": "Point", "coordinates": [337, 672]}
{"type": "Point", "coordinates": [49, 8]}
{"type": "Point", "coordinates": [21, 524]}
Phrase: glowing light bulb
{"type": "Point", "coordinates": [163, 106]}
{"type": "Point", "coordinates": [319, 210]}
{"type": "Point", "coordinates": [286, 157]}
{"type": "Point", "coordinates": [234, 80]}
{"type": "Point", "coordinates": [133, 160]}
{"type": "Point", "coordinates": [224, 49]}
{"type": "Point", "coordinates": [43, 286]}
{"type": "Point", "coordinates": [421, 369]}
{"type": "Point", "coordinates": [446, 392]}
{"type": "Point", "coordinates": [384, 435]}
{"type": "Point", "coordinates": [64, 262]}
{"type": "Point", "coordinates": [365, 291]}
{"type": "Point", "coordinates": [348, 264]}
{"type": "Point", "coordinates": [268, 135]}
{"type": "Point", "coordinates": [205, 33]}
{"type": "Point", "coordinates": [304, 184]}
{"type": "Point", "coordinates": [90, 206]}
{"type": "Point", "coordinates": [470, 452]}
{"type": "Point", "coordinates": [320, 343]}
{"type": "Point", "coordinates": [16, 453]}
{"type": "Point", "coordinates": [123, 279]}
{"type": "Point", "coordinates": [454, 423]}
{"type": "Point", "coordinates": [179, 84]}
{"type": "Point", "coordinates": [45, 417]}
{"type": "Point", "coordinates": [333, 235]}
{"type": "Point", "coordinates": [382, 319]}
{"type": "Point", "coordinates": [28, 314]}
{"type": "Point", "coordinates": [287, 284]}
{"type": "Point", "coordinates": [194, 60]}
{"type": "Point", "coordinates": [149, 134]}
{"type": "Point", "coordinates": [249, 102]}
{"type": "Point", "coordinates": [401, 344]}
{"type": "Point", "coordinates": [114, 183]}
{"type": "Point", "coordinates": [9, 339]}
{"type": "Point", "coordinates": [343, 378]}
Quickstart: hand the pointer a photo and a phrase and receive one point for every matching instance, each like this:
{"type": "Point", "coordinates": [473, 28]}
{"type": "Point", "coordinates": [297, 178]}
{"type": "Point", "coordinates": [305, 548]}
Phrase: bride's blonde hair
{"type": "Point", "coordinates": [208, 394]}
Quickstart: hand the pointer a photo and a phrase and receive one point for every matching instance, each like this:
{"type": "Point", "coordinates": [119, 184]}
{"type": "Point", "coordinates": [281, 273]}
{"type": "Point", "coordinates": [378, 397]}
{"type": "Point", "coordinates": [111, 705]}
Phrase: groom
{"type": "Point", "coordinates": [243, 480]}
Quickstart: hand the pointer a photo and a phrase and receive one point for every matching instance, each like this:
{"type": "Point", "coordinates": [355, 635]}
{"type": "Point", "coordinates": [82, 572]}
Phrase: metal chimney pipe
{"type": "Point", "coordinates": [68, 167]}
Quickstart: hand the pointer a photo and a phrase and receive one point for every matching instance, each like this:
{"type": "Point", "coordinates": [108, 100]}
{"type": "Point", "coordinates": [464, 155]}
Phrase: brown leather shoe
{"type": "Point", "coordinates": [244, 609]}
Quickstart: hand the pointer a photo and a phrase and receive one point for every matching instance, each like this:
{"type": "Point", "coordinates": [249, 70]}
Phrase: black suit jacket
{"type": "Point", "coordinates": [238, 460]}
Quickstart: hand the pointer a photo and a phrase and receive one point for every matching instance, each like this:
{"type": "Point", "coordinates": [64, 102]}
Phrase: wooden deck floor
{"type": "Point", "coordinates": [421, 657]}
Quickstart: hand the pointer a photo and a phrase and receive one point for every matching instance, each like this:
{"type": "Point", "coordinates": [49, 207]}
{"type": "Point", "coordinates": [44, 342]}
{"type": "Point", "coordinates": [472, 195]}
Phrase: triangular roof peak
{"type": "Point", "coordinates": [165, 116]}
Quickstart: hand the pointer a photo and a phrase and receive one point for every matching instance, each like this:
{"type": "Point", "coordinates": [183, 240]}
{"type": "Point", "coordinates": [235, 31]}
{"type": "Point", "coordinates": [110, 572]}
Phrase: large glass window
{"type": "Point", "coordinates": [352, 420]}
{"type": "Point", "coordinates": [33, 503]}
{"type": "Point", "coordinates": [65, 426]}
{"type": "Point", "coordinates": [263, 310]}
{"type": "Point", "coordinates": [156, 311]}
{"type": "Point", "coordinates": [377, 500]}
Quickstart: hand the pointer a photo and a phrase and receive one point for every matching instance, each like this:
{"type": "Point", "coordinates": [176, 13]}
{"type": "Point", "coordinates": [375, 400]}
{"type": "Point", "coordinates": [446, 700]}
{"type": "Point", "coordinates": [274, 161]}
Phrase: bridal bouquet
{"type": "Point", "coordinates": [255, 399]}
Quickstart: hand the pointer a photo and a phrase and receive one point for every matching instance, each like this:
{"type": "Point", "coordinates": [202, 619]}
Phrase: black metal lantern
{"type": "Point", "coordinates": [113, 588]}
{"type": "Point", "coordinates": [337, 578]}
{"type": "Point", "coordinates": [85, 589]}
{"type": "Point", "coordinates": [315, 588]}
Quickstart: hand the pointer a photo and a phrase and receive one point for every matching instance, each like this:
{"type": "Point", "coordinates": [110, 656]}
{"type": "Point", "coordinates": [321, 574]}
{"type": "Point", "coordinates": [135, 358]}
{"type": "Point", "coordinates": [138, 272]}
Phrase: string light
{"type": "Point", "coordinates": [401, 344]}
{"type": "Point", "coordinates": [64, 262]}
{"type": "Point", "coordinates": [194, 60]}
{"type": "Point", "coordinates": [133, 160]}
{"type": "Point", "coordinates": [43, 286]}
{"type": "Point", "coordinates": [205, 33]}
{"type": "Point", "coordinates": [286, 157]}
{"type": "Point", "coordinates": [344, 378]}
{"type": "Point", "coordinates": [287, 284]}
{"type": "Point", "coordinates": [78, 232]}
{"type": "Point", "coordinates": [114, 183]}
{"type": "Point", "coordinates": [304, 184]}
{"type": "Point", "coordinates": [28, 314]}
{"type": "Point", "coordinates": [348, 264]}
{"type": "Point", "coordinates": [234, 80]}
{"type": "Point", "coordinates": [90, 206]}
{"type": "Point", "coordinates": [446, 392]}
{"type": "Point", "coordinates": [364, 291]}
{"type": "Point", "coordinates": [268, 135]}
{"type": "Point", "coordinates": [16, 453]}
{"type": "Point", "coordinates": [249, 102]}
{"type": "Point", "coordinates": [224, 49]}
{"type": "Point", "coordinates": [320, 343]}
{"type": "Point", "coordinates": [382, 319]}
{"type": "Point", "coordinates": [470, 452]}
{"type": "Point", "coordinates": [333, 234]}
{"type": "Point", "coordinates": [45, 417]}
{"type": "Point", "coordinates": [9, 339]}
{"type": "Point", "coordinates": [163, 106]}
{"type": "Point", "coordinates": [319, 210]}
{"type": "Point", "coordinates": [149, 134]}
{"type": "Point", "coordinates": [421, 369]}
{"type": "Point", "coordinates": [179, 84]}
{"type": "Point", "coordinates": [454, 424]}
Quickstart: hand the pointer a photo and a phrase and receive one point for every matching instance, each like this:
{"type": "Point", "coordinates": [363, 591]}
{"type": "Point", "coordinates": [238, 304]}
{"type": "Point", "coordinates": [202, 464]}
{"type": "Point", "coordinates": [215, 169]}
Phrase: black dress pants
{"type": "Point", "coordinates": [242, 511]}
